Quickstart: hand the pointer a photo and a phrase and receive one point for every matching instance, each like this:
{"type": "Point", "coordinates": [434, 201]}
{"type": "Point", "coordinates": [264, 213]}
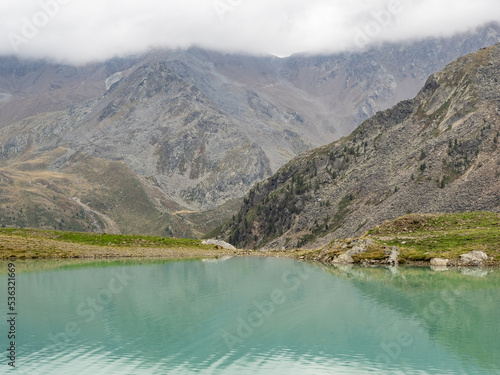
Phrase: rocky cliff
{"type": "Point", "coordinates": [438, 152]}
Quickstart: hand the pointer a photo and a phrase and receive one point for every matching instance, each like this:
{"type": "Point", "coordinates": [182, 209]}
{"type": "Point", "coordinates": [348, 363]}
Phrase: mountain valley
{"type": "Point", "coordinates": [168, 143]}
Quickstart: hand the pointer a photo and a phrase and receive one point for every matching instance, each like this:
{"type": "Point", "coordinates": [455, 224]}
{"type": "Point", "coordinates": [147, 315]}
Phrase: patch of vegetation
{"type": "Point", "coordinates": [461, 155]}
{"type": "Point", "coordinates": [102, 239]}
{"type": "Point", "coordinates": [342, 212]}
{"type": "Point", "coordinates": [375, 254]}
{"type": "Point", "coordinates": [274, 212]}
{"type": "Point", "coordinates": [40, 244]}
{"type": "Point", "coordinates": [306, 239]}
{"type": "Point", "coordinates": [415, 256]}
{"type": "Point", "coordinates": [440, 113]}
{"type": "Point", "coordinates": [422, 237]}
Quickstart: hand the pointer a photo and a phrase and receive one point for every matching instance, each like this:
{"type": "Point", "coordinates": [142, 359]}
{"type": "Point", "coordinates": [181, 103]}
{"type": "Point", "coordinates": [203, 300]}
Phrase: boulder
{"type": "Point", "coordinates": [222, 244]}
{"type": "Point", "coordinates": [358, 246]}
{"type": "Point", "coordinates": [473, 258]}
{"type": "Point", "coordinates": [439, 262]}
{"type": "Point", "coordinates": [347, 256]}
{"type": "Point", "coordinates": [393, 256]}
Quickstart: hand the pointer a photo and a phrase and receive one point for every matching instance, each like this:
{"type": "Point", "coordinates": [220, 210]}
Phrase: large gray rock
{"type": "Point", "coordinates": [439, 262]}
{"type": "Point", "coordinates": [473, 258]}
{"type": "Point", "coordinates": [393, 256]}
{"type": "Point", "coordinates": [347, 256]}
{"type": "Point", "coordinates": [222, 244]}
{"type": "Point", "coordinates": [360, 246]}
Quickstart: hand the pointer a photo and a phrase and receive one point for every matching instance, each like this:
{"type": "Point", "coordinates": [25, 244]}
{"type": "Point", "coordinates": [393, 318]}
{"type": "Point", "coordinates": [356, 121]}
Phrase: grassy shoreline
{"type": "Point", "coordinates": [40, 244]}
{"type": "Point", "coordinates": [419, 237]}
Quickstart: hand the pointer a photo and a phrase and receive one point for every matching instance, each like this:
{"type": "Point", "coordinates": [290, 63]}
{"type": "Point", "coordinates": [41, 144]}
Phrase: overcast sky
{"type": "Point", "coordinates": [80, 31]}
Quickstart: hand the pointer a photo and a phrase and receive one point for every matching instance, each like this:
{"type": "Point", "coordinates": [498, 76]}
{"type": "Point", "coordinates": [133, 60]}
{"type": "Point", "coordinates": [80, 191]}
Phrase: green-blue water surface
{"type": "Point", "coordinates": [252, 316]}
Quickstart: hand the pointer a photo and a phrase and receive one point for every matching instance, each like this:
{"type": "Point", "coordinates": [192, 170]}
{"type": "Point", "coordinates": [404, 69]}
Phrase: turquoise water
{"type": "Point", "coordinates": [253, 316]}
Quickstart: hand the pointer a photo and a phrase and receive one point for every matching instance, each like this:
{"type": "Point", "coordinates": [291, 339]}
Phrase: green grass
{"type": "Point", "coordinates": [370, 255]}
{"type": "Point", "coordinates": [422, 237]}
{"type": "Point", "coordinates": [103, 239]}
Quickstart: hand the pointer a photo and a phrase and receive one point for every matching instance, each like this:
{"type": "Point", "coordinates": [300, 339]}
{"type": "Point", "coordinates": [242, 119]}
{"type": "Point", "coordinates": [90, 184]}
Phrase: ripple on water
{"type": "Point", "coordinates": [222, 318]}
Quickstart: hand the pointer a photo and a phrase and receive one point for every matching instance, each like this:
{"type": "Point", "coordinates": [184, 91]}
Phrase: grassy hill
{"type": "Point", "coordinates": [421, 237]}
{"type": "Point", "coordinates": [42, 244]}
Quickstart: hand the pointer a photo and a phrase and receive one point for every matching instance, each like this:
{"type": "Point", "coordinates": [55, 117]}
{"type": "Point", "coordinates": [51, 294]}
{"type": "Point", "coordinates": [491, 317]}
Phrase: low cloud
{"type": "Point", "coordinates": [81, 31]}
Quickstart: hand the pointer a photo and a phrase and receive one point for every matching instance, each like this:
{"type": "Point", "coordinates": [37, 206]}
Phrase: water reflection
{"type": "Point", "coordinates": [255, 316]}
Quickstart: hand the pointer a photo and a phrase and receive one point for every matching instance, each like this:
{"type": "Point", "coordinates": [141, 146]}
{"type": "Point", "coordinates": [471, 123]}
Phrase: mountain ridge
{"type": "Point", "coordinates": [435, 153]}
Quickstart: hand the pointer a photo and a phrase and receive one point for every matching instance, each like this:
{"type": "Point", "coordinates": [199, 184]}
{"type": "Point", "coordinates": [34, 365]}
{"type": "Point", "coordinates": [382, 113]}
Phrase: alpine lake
{"type": "Point", "coordinates": [250, 315]}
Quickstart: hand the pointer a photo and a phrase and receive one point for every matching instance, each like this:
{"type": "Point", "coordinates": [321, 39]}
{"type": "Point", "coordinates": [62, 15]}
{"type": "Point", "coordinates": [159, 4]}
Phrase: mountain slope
{"type": "Point", "coordinates": [163, 127]}
{"type": "Point", "coordinates": [357, 85]}
{"type": "Point", "coordinates": [436, 153]}
{"type": "Point", "coordinates": [29, 88]}
{"type": "Point", "coordinates": [169, 142]}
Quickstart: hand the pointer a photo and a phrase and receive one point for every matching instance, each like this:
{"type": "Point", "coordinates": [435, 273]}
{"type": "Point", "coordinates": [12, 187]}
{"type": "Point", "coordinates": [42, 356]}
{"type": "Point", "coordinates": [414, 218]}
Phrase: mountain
{"type": "Point", "coordinates": [32, 87]}
{"type": "Point", "coordinates": [438, 152]}
{"type": "Point", "coordinates": [169, 142]}
{"type": "Point", "coordinates": [355, 86]}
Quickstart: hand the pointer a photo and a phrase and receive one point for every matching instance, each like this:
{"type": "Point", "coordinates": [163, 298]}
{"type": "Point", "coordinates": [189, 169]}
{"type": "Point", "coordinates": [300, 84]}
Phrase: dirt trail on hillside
{"type": "Point", "coordinates": [111, 226]}
{"type": "Point", "coordinates": [184, 212]}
